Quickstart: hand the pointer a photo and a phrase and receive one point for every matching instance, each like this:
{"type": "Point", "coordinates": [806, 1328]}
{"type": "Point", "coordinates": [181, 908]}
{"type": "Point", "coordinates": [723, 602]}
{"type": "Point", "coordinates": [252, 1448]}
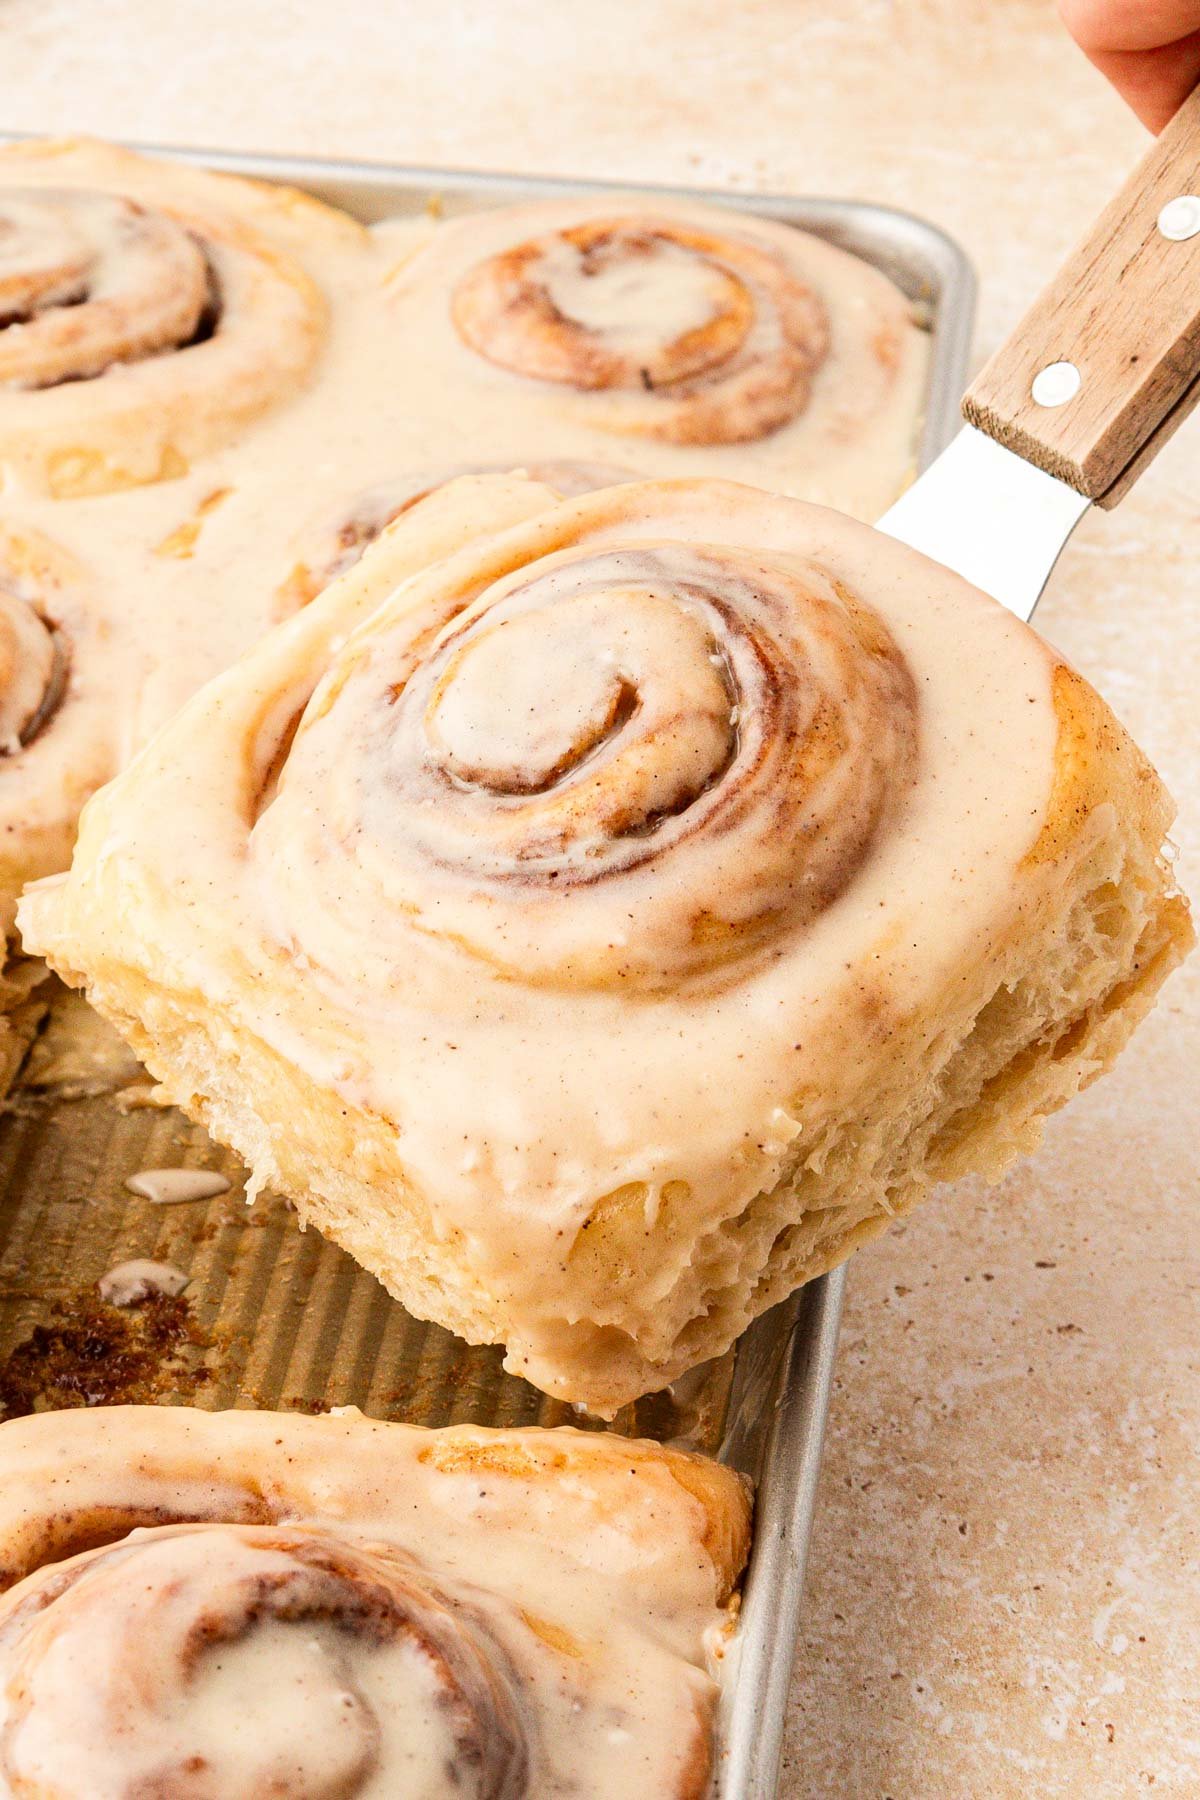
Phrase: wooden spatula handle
{"type": "Point", "coordinates": [1123, 311]}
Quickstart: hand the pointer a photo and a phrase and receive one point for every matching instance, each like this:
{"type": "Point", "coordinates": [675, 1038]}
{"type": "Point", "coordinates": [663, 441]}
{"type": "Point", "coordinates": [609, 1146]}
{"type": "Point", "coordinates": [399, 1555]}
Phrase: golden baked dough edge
{"type": "Point", "coordinates": [73, 1480]}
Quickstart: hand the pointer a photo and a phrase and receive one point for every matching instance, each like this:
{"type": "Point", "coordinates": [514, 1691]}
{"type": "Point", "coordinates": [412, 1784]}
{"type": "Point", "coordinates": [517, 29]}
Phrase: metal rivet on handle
{"type": "Point", "coordinates": [1180, 218]}
{"type": "Point", "coordinates": [1056, 384]}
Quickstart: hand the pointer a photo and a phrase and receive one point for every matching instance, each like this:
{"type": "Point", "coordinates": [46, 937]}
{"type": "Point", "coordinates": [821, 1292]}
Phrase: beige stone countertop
{"type": "Point", "coordinates": [1005, 1593]}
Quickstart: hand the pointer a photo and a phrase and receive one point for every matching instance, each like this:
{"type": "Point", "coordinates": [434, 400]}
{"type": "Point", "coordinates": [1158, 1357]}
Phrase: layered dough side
{"type": "Point", "coordinates": [332, 1602]}
{"type": "Point", "coordinates": [635, 1027]}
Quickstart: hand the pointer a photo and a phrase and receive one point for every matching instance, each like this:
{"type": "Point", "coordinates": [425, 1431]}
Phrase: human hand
{"type": "Point", "coordinates": [1148, 49]}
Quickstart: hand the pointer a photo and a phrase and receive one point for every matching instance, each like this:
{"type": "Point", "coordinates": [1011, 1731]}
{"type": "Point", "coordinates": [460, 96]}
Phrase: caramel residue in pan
{"type": "Point", "coordinates": [91, 1354]}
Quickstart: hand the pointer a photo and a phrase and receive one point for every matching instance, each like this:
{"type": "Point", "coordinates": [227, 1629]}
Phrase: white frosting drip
{"type": "Point", "coordinates": [175, 1187]}
{"type": "Point", "coordinates": [128, 1283]}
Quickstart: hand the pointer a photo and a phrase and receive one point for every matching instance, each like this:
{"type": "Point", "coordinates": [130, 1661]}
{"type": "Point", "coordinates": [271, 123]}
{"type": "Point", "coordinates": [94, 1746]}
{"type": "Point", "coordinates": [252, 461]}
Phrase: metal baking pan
{"type": "Point", "coordinates": [277, 1317]}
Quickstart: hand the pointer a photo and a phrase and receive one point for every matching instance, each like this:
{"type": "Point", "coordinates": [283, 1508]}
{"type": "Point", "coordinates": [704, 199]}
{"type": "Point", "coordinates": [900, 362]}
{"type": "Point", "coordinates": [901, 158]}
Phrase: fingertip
{"type": "Point", "coordinates": [1120, 26]}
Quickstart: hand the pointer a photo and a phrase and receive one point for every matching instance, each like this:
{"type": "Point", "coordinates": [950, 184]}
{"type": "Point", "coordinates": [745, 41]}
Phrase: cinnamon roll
{"type": "Point", "coordinates": [239, 1604]}
{"type": "Point", "coordinates": [58, 737]}
{"type": "Point", "coordinates": [610, 926]}
{"type": "Point", "coordinates": [704, 341]}
{"type": "Point", "coordinates": [148, 312]}
{"type": "Point", "coordinates": [340, 540]}
{"type": "Point", "coordinates": [59, 730]}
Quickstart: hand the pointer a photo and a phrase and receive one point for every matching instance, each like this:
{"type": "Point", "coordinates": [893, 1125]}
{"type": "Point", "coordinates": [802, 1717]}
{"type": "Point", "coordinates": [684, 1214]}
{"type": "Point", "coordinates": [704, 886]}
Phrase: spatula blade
{"type": "Point", "coordinates": [990, 517]}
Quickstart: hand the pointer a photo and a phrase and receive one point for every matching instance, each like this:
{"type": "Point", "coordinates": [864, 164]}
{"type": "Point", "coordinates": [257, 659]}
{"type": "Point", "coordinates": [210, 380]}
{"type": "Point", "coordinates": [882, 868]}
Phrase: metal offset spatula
{"type": "Point", "coordinates": [1082, 396]}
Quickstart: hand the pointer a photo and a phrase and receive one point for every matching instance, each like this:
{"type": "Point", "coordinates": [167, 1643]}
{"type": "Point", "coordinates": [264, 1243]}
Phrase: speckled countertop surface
{"type": "Point", "coordinates": [1005, 1591]}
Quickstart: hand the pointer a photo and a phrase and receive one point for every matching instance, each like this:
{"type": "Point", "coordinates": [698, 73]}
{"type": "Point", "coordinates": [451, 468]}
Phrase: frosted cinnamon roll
{"type": "Point", "coordinates": [147, 312]}
{"type": "Point", "coordinates": [706, 341]}
{"type": "Point", "coordinates": [339, 541]}
{"type": "Point", "coordinates": [730, 361]}
{"type": "Point", "coordinates": [59, 736]}
{"type": "Point", "coordinates": [243, 1604]}
{"type": "Point", "coordinates": [610, 926]}
{"type": "Point", "coordinates": [59, 724]}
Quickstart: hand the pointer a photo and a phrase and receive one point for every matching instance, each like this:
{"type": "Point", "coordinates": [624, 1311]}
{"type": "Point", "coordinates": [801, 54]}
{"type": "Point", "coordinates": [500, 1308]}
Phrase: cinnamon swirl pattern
{"type": "Point", "coordinates": [578, 306]}
{"type": "Point", "coordinates": [59, 739]}
{"type": "Point", "coordinates": [608, 926]}
{"type": "Point", "coordinates": [59, 736]}
{"type": "Point", "coordinates": [663, 734]}
{"type": "Point", "coordinates": [242, 1604]}
{"type": "Point", "coordinates": [340, 540]}
{"type": "Point", "coordinates": [147, 313]}
{"type": "Point", "coordinates": [703, 342]}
